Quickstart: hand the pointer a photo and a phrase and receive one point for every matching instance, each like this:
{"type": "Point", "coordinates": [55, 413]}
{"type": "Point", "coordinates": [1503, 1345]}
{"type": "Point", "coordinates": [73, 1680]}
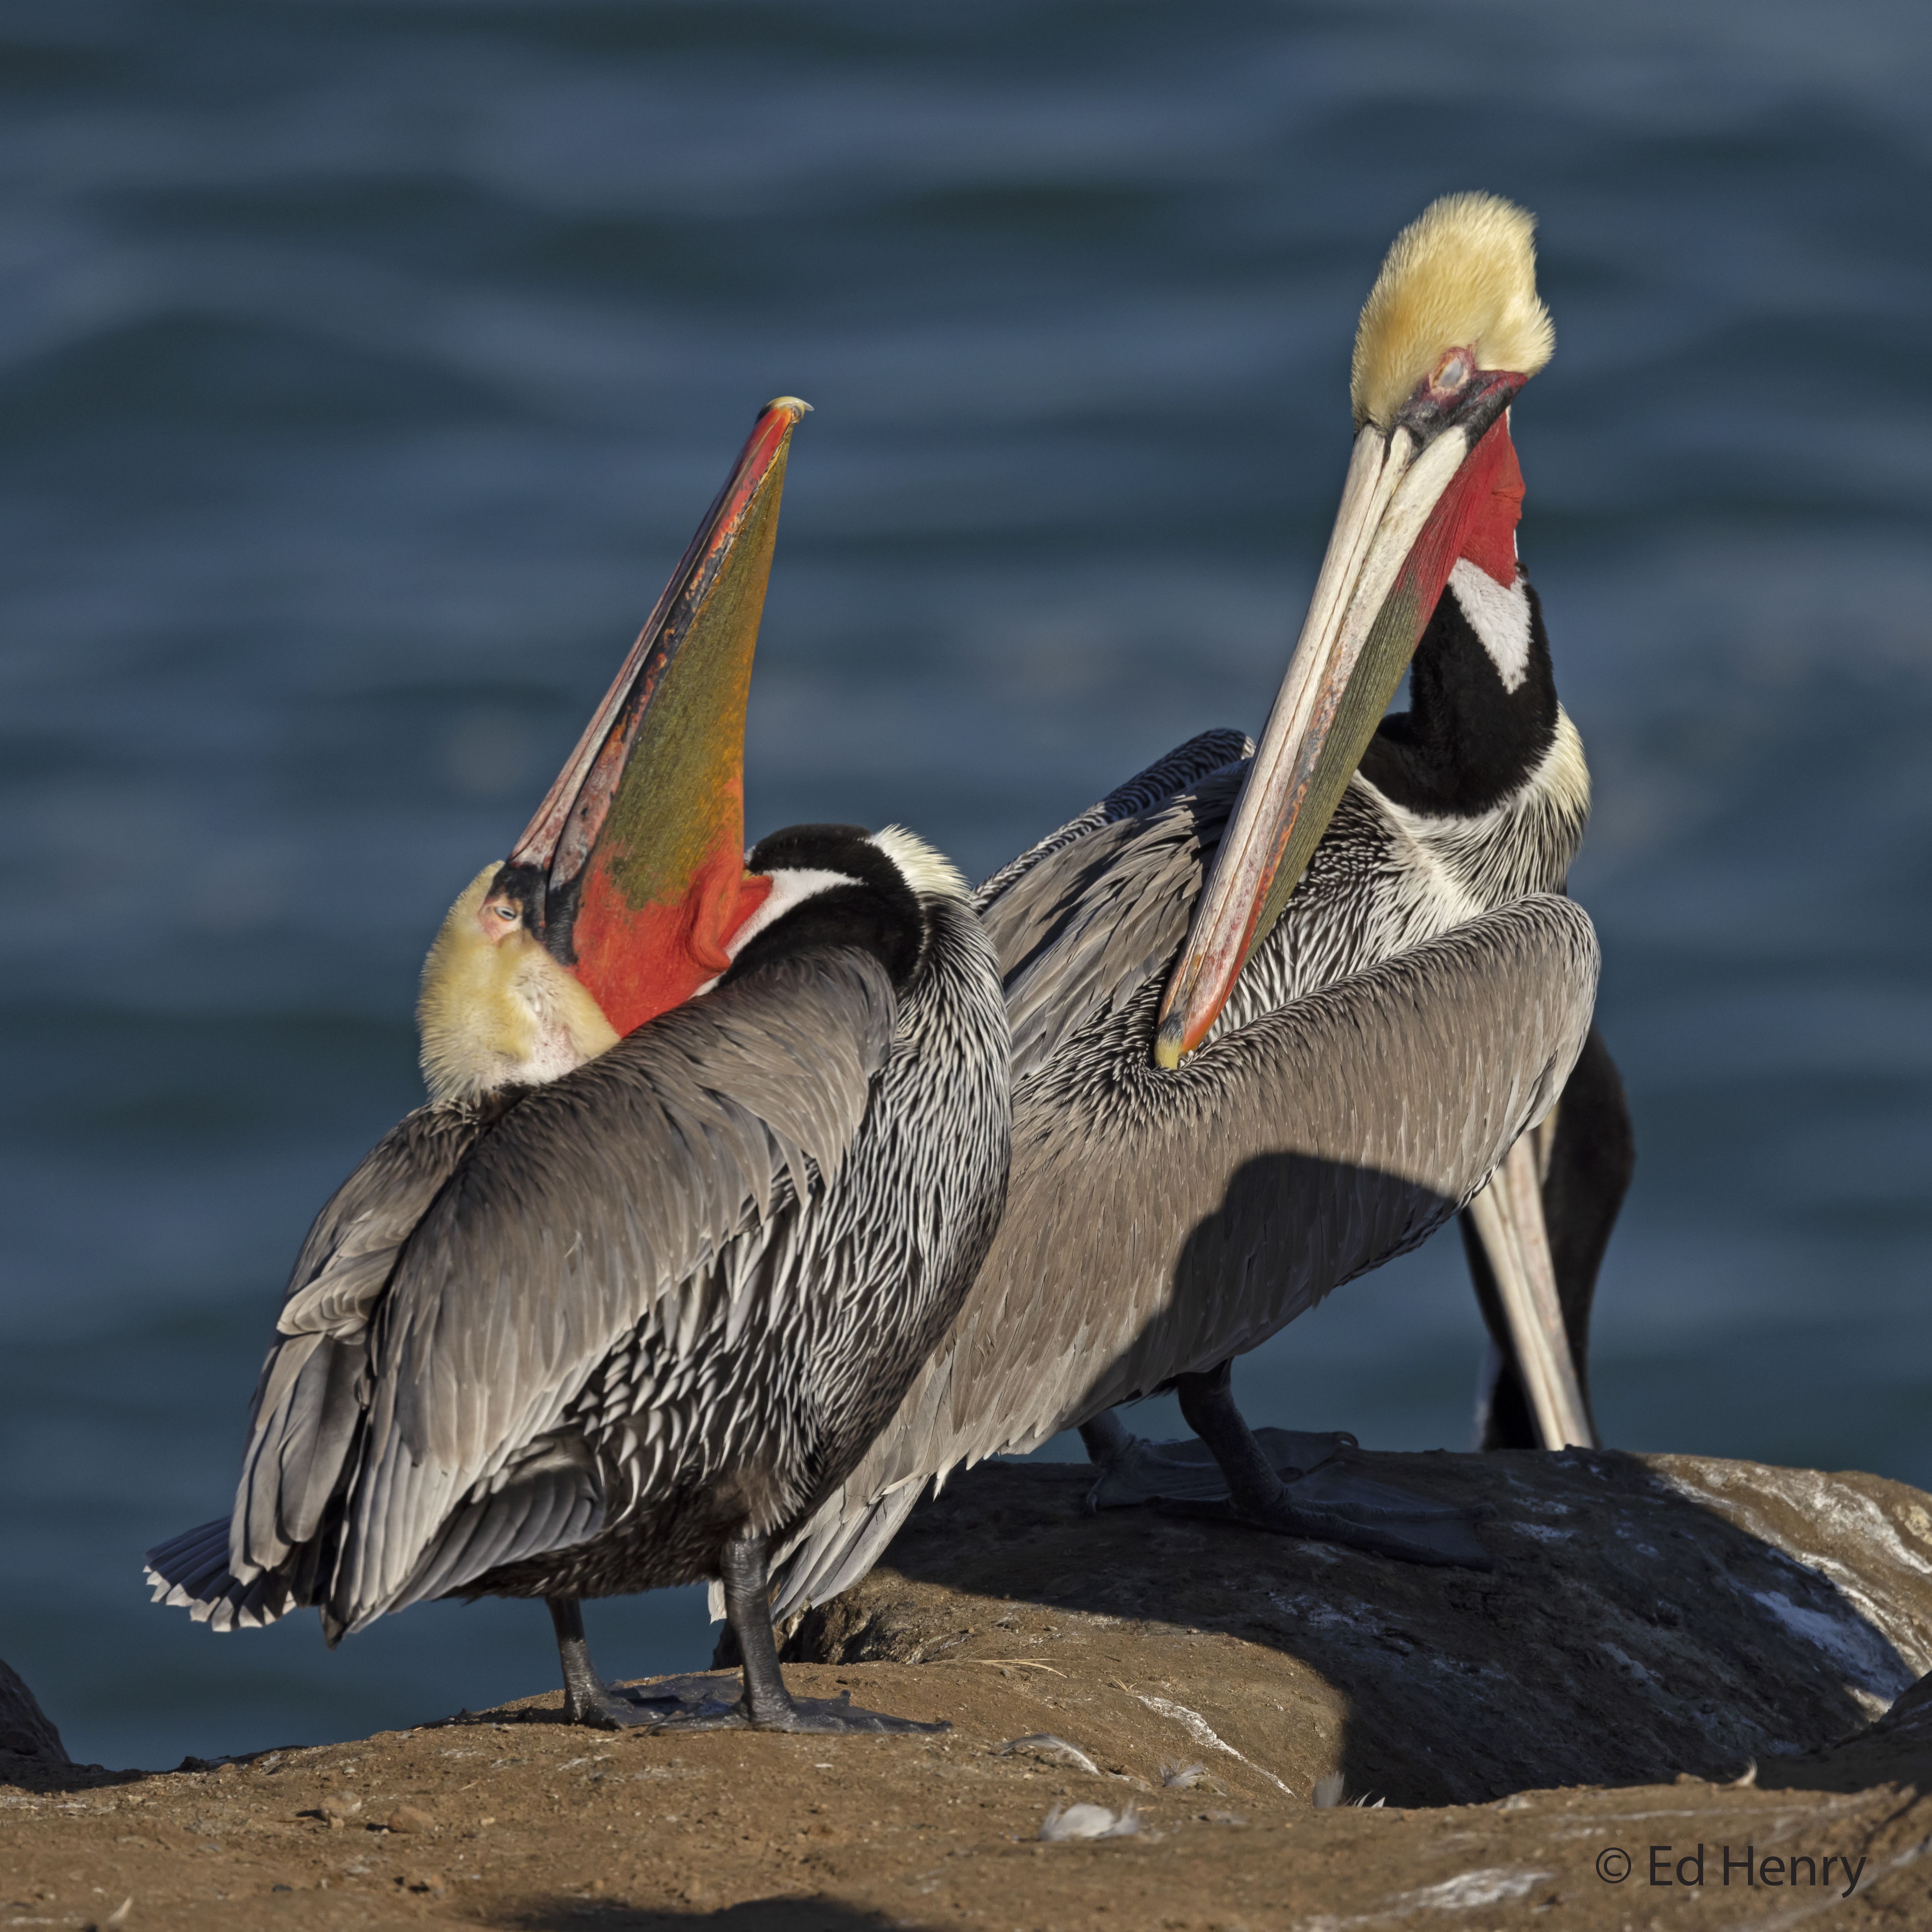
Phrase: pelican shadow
{"type": "Point", "coordinates": [1645, 1616]}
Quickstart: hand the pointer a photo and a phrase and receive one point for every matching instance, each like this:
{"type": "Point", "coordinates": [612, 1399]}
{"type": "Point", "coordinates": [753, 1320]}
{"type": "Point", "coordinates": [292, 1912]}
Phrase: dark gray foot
{"type": "Point", "coordinates": [610, 1710]}
{"type": "Point", "coordinates": [1332, 1505]}
{"type": "Point", "coordinates": [1134, 1471]}
{"type": "Point", "coordinates": [766, 1705]}
{"type": "Point", "coordinates": [645, 1707]}
{"type": "Point", "coordinates": [587, 1698]}
{"type": "Point", "coordinates": [834, 1715]}
{"type": "Point", "coordinates": [1326, 1497]}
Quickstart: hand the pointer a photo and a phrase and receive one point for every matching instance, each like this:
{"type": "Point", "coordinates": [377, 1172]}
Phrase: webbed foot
{"type": "Point", "coordinates": [1279, 1480]}
{"type": "Point", "coordinates": [1135, 1470]}
{"type": "Point", "coordinates": [832, 1716]}
{"type": "Point", "coordinates": [645, 1707]}
{"type": "Point", "coordinates": [1334, 1503]}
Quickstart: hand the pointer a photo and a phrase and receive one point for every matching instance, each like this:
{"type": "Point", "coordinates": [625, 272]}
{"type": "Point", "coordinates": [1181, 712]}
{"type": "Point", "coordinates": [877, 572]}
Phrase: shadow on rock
{"type": "Point", "coordinates": [1897, 1750]}
{"type": "Point", "coordinates": [757, 1915]}
{"type": "Point", "coordinates": [1648, 1617]}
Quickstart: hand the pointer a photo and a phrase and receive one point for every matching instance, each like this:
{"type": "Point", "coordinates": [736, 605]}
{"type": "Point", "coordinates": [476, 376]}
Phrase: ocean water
{"type": "Point", "coordinates": [365, 367]}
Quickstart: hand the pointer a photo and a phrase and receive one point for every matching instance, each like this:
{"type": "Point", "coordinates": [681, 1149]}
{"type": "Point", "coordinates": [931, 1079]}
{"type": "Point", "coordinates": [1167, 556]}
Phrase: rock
{"type": "Point", "coordinates": [1649, 1615]}
{"type": "Point", "coordinates": [25, 1730]}
{"type": "Point", "coordinates": [854, 1834]}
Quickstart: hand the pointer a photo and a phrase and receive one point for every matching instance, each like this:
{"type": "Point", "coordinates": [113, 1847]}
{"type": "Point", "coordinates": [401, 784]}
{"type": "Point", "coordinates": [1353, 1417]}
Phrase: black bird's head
{"type": "Point", "coordinates": [840, 885]}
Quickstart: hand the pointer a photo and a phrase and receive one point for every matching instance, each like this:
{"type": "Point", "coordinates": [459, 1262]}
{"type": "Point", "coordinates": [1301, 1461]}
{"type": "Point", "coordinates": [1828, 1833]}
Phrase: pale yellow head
{"type": "Point", "coordinates": [496, 1009]}
{"type": "Point", "coordinates": [1461, 276]}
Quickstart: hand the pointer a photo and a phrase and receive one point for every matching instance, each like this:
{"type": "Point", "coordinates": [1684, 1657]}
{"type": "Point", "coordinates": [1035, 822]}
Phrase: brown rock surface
{"type": "Point", "coordinates": [1648, 1615]}
{"type": "Point", "coordinates": [1648, 1629]}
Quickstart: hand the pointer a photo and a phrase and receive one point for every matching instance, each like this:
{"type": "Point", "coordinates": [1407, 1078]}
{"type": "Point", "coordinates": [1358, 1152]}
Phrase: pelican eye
{"type": "Point", "coordinates": [1453, 372]}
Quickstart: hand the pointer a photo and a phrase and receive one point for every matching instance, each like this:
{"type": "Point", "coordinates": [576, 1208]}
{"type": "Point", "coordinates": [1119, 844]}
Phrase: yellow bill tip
{"type": "Point", "coordinates": [1167, 1048]}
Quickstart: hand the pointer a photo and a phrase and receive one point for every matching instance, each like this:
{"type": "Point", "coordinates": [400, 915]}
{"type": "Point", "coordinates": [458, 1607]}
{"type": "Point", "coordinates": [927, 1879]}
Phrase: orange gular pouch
{"type": "Point", "coordinates": [640, 846]}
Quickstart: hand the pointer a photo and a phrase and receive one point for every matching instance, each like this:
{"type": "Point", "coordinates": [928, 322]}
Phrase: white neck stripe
{"type": "Point", "coordinates": [791, 888]}
{"type": "Point", "coordinates": [1499, 615]}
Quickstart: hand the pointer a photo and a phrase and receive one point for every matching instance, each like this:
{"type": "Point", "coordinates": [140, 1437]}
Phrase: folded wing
{"type": "Point", "coordinates": [413, 1429]}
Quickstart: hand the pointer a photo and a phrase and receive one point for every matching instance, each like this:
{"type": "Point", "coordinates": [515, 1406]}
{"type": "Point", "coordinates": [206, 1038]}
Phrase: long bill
{"type": "Point", "coordinates": [1413, 494]}
{"type": "Point", "coordinates": [632, 871]}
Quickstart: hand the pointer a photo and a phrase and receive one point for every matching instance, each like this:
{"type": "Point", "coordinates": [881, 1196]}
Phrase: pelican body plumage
{"type": "Point", "coordinates": [635, 1290]}
{"type": "Point", "coordinates": [1279, 1012]}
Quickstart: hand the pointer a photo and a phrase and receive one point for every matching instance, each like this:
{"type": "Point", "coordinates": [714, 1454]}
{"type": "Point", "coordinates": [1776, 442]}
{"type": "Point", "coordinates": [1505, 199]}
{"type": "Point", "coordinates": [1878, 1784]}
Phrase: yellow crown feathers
{"type": "Point", "coordinates": [1462, 275]}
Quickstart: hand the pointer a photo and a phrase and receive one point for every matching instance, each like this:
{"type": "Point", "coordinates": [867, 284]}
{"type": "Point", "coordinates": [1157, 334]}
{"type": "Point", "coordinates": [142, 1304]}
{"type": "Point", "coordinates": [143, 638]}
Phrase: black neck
{"type": "Point", "coordinates": [1465, 743]}
{"type": "Point", "coordinates": [876, 911]}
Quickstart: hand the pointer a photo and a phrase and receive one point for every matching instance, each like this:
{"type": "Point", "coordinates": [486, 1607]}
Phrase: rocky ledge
{"type": "Point", "coordinates": [1683, 1693]}
{"type": "Point", "coordinates": [1647, 1615]}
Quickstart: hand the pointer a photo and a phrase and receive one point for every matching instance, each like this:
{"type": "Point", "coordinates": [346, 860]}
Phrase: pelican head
{"type": "Point", "coordinates": [496, 1009]}
{"type": "Point", "coordinates": [1452, 329]}
{"type": "Point", "coordinates": [622, 898]}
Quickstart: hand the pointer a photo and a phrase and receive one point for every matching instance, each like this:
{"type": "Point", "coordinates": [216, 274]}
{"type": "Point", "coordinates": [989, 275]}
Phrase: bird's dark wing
{"type": "Point", "coordinates": [474, 1271]}
{"type": "Point", "coordinates": [1176, 771]}
{"type": "Point", "coordinates": [1344, 1128]}
{"type": "Point", "coordinates": [1083, 931]}
{"type": "Point", "coordinates": [301, 1423]}
{"type": "Point", "coordinates": [600, 1204]}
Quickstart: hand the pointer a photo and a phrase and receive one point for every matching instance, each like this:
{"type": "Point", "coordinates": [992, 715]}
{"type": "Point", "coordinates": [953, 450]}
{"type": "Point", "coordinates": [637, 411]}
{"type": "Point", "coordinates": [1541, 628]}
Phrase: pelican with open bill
{"type": "Point", "coordinates": [715, 1144]}
{"type": "Point", "coordinates": [1214, 1127]}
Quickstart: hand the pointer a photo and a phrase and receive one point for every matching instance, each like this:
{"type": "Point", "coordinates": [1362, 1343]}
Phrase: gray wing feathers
{"type": "Point", "coordinates": [1088, 930]}
{"type": "Point", "coordinates": [303, 1414]}
{"type": "Point", "coordinates": [553, 1502]}
{"type": "Point", "coordinates": [303, 1420]}
{"type": "Point", "coordinates": [1346, 1126]}
{"type": "Point", "coordinates": [347, 1258]}
{"type": "Point", "coordinates": [588, 1206]}
{"type": "Point", "coordinates": [832, 1553]}
{"type": "Point", "coordinates": [1178, 770]}
{"type": "Point", "coordinates": [191, 1572]}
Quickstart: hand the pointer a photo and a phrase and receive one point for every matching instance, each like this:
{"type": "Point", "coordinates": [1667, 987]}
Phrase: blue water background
{"type": "Point", "coordinates": [364, 368]}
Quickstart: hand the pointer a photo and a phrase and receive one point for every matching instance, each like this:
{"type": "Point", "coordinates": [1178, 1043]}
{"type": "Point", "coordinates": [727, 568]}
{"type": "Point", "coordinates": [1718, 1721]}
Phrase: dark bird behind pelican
{"type": "Point", "coordinates": [715, 1145]}
{"type": "Point", "coordinates": [1278, 1012]}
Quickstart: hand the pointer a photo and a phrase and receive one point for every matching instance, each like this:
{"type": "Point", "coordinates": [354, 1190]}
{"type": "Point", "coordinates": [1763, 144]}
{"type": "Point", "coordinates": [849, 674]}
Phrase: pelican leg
{"type": "Point", "coordinates": [1331, 1504]}
{"type": "Point", "coordinates": [766, 1704]}
{"type": "Point", "coordinates": [587, 1698]}
{"type": "Point", "coordinates": [1133, 1470]}
{"type": "Point", "coordinates": [1107, 1441]}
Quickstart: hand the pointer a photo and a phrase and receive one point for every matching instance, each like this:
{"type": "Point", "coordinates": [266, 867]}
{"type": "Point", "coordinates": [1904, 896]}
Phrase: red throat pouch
{"type": "Point", "coordinates": [1497, 489]}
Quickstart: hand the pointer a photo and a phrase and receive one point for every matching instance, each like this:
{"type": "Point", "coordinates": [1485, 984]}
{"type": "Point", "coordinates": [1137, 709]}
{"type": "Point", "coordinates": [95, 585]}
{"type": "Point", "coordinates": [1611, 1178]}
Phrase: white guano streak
{"type": "Point", "coordinates": [1198, 1728]}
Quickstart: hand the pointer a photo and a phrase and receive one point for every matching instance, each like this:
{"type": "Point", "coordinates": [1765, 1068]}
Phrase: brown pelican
{"type": "Point", "coordinates": [1215, 1124]}
{"type": "Point", "coordinates": [715, 1145]}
